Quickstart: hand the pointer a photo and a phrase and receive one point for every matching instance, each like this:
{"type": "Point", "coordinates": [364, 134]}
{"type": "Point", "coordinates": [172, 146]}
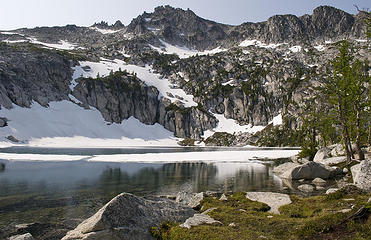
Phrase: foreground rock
{"type": "Point", "coordinates": [199, 219]}
{"type": "Point", "coordinates": [362, 175]}
{"type": "Point", "coordinates": [129, 217]}
{"type": "Point", "coordinates": [273, 200]}
{"type": "Point", "coordinates": [308, 171]}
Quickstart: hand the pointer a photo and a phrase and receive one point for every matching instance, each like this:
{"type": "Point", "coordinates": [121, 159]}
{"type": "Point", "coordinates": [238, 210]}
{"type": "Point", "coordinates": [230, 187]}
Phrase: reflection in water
{"type": "Point", "coordinates": [61, 191]}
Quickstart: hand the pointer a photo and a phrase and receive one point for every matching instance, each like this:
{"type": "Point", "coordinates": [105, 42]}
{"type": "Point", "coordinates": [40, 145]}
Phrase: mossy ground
{"type": "Point", "coordinates": [315, 217]}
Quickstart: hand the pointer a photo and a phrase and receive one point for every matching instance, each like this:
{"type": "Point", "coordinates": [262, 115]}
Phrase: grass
{"type": "Point", "coordinates": [306, 218]}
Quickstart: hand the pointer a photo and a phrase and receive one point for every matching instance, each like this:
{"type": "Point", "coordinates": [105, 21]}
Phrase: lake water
{"type": "Point", "coordinates": [66, 192]}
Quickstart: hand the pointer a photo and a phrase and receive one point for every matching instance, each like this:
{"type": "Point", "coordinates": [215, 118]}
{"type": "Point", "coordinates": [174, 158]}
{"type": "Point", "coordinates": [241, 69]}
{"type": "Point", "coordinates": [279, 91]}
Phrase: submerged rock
{"type": "Point", "coordinates": [129, 217]}
{"type": "Point", "coordinates": [273, 200]}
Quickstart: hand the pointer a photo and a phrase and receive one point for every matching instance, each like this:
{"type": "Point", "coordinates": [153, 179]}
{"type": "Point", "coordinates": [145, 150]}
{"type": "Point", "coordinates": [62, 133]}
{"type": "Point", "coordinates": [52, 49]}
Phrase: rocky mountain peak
{"type": "Point", "coordinates": [104, 25]}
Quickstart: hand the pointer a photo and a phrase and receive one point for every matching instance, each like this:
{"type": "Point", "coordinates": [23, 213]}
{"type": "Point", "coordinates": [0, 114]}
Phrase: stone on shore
{"type": "Point", "coordinates": [362, 175]}
{"type": "Point", "coordinates": [306, 188]}
{"type": "Point", "coordinates": [308, 171]}
{"type": "Point", "coordinates": [273, 200]}
{"type": "Point", "coordinates": [129, 217]}
{"type": "Point", "coordinates": [199, 219]}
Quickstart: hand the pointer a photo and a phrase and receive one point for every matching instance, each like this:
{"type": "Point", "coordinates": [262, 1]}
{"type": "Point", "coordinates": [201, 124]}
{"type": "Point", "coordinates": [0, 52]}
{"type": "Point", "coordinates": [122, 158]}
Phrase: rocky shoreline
{"type": "Point", "coordinates": [131, 217]}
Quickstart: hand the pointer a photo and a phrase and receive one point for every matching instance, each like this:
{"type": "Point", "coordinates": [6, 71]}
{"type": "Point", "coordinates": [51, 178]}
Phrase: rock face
{"type": "Point", "coordinates": [129, 217]}
{"type": "Point", "coordinates": [250, 83]}
{"type": "Point", "coordinates": [362, 175]}
{"type": "Point", "coordinates": [23, 70]}
{"type": "Point", "coordinates": [274, 200]}
{"type": "Point", "coordinates": [122, 95]}
{"type": "Point", "coordinates": [308, 171]}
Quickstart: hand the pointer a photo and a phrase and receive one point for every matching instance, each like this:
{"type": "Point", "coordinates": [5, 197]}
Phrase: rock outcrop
{"type": "Point", "coordinates": [129, 217]}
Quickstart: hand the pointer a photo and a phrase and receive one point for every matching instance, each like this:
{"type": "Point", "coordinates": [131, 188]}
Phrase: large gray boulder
{"type": "Point", "coordinates": [362, 175]}
{"type": "Point", "coordinates": [129, 217]}
{"type": "Point", "coordinates": [309, 171]}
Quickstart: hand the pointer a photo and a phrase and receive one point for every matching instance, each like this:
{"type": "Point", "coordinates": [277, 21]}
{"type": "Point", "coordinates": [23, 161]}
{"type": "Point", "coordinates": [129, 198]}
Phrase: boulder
{"type": "Point", "coordinates": [129, 217]}
{"type": "Point", "coordinates": [199, 219]}
{"type": "Point", "coordinates": [322, 154]}
{"type": "Point", "coordinates": [355, 171]}
{"type": "Point", "coordinates": [281, 169]}
{"type": "Point", "coordinates": [309, 171]}
{"type": "Point", "coordinates": [306, 188]}
{"type": "Point", "coordinates": [196, 200]}
{"type": "Point", "coordinates": [26, 236]}
{"type": "Point", "coordinates": [332, 160]}
{"type": "Point", "coordinates": [273, 200]}
{"type": "Point", "coordinates": [331, 190]}
{"type": "Point", "coordinates": [362, 175]}
{"type": "Point", "coordinates": [318, 181]}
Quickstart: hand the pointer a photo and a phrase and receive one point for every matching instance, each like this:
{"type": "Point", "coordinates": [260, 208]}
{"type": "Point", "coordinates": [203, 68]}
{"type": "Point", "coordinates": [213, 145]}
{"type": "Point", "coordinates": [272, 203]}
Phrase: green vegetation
{"type": "Point", "coordinates": [175, 108]}
{"type": "Point", "coordinates": [281, 136]}
{"type": "Point", "coordinates": [220, 139]}
{"type": "Point", "coordinates": [341, 110]}
{"type": "Point", "coordinates": [316, 217]}
{"type": "Point", "coordinates": [187, 142]}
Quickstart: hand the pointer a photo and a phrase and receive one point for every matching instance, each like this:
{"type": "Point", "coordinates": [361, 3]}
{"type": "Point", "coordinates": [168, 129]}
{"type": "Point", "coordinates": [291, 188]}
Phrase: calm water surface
{"type": "Point", "coordinates": [67, 192]}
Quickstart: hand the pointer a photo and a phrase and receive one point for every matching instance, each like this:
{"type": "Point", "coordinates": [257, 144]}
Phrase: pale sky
{"type": "Point", "coordinates": [31, 13]}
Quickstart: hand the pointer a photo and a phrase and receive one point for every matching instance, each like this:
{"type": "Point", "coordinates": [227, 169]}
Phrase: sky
{"type": "Point", "coordinates": [31, 13]}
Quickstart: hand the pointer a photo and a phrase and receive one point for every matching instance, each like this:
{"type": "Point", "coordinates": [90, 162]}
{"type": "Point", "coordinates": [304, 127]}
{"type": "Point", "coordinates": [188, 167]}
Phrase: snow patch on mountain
{"type": "Point", "coordinates": [231, 126]}
{"type": "Point", "coordinates": [146, 74]}
{"type": "Point", "coordinates": [65, 124]}
{"type": "Point", "coordinates": [104, 31]}
{"type": "Point", "coordinates": [258, 43]}
{"type": "Point", "coordinates": [295, 49]}
{"type": "Point", "coordinates": [277, 120]}
{"type": "Point", "coordinates": [62, 45]}
{"type": "Point", "coordinates": [184, 52]}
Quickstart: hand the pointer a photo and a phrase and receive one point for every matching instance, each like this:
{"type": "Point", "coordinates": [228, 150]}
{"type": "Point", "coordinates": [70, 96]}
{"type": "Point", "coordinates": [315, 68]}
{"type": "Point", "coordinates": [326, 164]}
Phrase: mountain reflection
{"type": "Point", "coordinates": [170, 178]}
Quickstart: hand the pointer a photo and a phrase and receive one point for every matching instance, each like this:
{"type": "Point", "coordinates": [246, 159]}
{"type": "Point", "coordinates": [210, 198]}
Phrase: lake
{"type": "Point", "coordinates": [63, 193]}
